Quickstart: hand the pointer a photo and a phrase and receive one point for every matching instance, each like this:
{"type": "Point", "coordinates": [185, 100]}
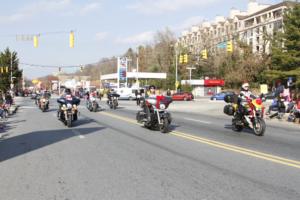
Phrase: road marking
{"type": "Point", "coordinates": [77, 133]}
{"type": "Point", "coordinates": [195, 120]}
{"type": "Point", "coordinates": [28, 107]}
{"type": "Point", "coordinates": [220, 145]}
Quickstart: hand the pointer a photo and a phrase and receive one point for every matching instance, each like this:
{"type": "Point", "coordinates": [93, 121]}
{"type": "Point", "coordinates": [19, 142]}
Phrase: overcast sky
{"type": "Point", "coordinates": [103, 28]}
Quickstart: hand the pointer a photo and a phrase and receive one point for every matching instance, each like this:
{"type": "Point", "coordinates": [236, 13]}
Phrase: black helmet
{"type": "Point", "coordinates": [67, 91]}
{"type": "Point", "coordinates": [152, 87]}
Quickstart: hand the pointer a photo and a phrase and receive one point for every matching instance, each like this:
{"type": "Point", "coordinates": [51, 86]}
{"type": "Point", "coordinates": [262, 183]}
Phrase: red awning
{"type": "Point", "coordinates": [214, 82]}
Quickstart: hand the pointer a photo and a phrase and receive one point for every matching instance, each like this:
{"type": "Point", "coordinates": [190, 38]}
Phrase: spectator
{"type": "Point", "coordinates": [168, 92]}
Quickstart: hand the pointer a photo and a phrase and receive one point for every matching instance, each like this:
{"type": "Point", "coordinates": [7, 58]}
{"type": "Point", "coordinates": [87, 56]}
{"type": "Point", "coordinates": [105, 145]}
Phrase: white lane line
{"type": "Point", "coordinates": [77, 133]}
{"type": "Point", "coordinates": [28, 107]}
{"type": "Point", "coordinates": [195, 120]}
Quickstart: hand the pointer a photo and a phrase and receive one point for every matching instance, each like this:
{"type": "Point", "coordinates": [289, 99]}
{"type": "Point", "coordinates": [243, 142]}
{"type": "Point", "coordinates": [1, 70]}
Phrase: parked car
{"type": "Point", "coordinates": [220, 96]}
{"type": "Point", "coordinates": [183, 96]}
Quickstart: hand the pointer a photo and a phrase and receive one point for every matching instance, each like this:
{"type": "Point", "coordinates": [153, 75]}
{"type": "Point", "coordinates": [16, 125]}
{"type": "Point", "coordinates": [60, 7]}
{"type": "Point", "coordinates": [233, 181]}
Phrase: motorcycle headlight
{"type": "Point", "coordinates": [162, 106]}
{"type": "Point", "coordinates": [64, 107]}
{"type": "Point", "coordinates": [44, 100]}
{"type": "Point", "coordinates": [69, 106]}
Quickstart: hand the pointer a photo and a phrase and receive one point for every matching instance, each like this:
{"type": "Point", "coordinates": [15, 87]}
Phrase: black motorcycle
{"type": "Point", "coordinates": [155, 115]}
{"type": "Point", "coordinates": [113, 101]}
{"type": "Point", "coordinates": [68, 111]}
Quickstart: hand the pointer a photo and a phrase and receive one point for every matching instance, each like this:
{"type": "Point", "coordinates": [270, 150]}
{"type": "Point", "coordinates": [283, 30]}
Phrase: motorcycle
{"type": "Point", "coordinates": [113, 101]}
{"type": "Point", "coordinates": [68, 111]}
{"type": "Point", "coordinates": [278, 108]}
{"type": "Point", "coordinates": [156, 110]}
{"type": "Point", "coordinates": [250, 115]}
{"type": "Point", "coordinates": [44, 104]}
{"type": "Point", "coordinates": [92, 104]}
{"type": "Point", "coordinates": [294, 112]}
{"type": "Point", "coordinates": [6, 110]}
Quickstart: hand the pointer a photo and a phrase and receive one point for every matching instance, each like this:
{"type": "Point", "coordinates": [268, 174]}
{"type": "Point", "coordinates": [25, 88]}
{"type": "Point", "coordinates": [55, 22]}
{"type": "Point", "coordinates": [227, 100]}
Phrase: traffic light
{"type": "Point", "coordinates": [185, 58]}
{"type": "Point", "coordinates": [3, 70]}
{"type": "Point", "coordinates": [180, 59]}
{"type": "Point", "coordinates": [204, 54]}
{"type": "Point", "coordinates": [81, 68]}
{"type": "Point", "coordinates": [229, 46]}
{"type": "Point", "coordinates": [35, 41]}
{"type": "Point", "coordinates": [59, 69]}
{"type": "Point", "coordinates": [72, 39]}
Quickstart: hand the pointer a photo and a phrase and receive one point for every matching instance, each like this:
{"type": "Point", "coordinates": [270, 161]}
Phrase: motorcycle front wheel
{"type": "Point", "coordinates": [259, 127]}
{"type": "Point", "coordinates": [165, 126]}
{"type": "Point", "coordinates": [69, 122]}
{"type": "Point", "coordinates": [95, 108]}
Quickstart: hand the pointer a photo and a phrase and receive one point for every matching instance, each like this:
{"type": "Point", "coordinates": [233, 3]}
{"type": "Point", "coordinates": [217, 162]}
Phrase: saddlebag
{"type": "Point", "coordinates": [229, 110]}
{"type": "Point", "coordinates": [231, 98]}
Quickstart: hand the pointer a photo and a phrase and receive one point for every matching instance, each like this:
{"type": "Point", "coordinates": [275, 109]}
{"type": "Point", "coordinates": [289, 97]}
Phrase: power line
{"type": "Point", "coordinates": [67, 66]}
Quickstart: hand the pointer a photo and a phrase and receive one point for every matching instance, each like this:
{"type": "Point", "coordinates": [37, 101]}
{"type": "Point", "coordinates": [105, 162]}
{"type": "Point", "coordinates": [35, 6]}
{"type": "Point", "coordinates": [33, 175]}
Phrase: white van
{"type": "Point", "coordinates": [126, 93]}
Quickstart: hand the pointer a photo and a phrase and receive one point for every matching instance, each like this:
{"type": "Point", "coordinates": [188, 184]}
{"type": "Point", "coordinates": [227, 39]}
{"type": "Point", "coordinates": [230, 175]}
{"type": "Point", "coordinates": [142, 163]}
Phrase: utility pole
{"type": "Point", "coordinates": [176, 69]}
{"type": "Point", "coordinates": [137, 68]}
{"type": "Point", "coordinates": [11, 71]}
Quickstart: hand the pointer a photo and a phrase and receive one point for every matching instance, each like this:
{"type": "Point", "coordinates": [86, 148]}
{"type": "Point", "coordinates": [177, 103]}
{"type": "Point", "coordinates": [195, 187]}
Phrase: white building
{"type": "Point", "coordinates": [249, 26]}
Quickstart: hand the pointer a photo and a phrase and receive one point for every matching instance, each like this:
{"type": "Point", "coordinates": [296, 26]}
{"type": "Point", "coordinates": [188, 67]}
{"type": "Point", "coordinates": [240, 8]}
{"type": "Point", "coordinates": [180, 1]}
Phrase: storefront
{"type": "Point", "coordinates": [205, 87]}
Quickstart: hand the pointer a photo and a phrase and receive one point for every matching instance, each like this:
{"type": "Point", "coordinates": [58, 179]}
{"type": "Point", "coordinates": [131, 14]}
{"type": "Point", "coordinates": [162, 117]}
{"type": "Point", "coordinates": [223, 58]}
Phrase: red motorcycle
{"type": "Point", "coordinates": [250, 115]}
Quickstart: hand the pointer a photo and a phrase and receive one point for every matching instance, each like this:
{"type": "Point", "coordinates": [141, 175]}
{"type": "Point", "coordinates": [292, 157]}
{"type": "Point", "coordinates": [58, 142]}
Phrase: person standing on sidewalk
{"type": "Point", "coordinates": [8, 99]}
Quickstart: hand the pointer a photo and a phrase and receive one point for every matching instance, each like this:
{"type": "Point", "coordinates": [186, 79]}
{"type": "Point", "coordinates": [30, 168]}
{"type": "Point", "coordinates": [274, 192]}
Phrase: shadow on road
{"type": "Point", "coordinates": [22, 144]}
{"type": "Point", "coordinates": [245, 130]}
{"type": "Point", "coordinates": [82, 121]}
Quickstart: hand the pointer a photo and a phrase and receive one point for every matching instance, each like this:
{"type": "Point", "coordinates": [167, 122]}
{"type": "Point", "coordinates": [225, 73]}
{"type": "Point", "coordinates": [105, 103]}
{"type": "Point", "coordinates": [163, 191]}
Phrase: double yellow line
{"type": "Point", "coordinates": [220, 145]}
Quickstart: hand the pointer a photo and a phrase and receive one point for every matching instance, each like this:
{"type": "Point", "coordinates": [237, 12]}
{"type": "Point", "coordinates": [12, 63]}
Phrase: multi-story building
{"type": "Point", "coordinates": [253, 27]}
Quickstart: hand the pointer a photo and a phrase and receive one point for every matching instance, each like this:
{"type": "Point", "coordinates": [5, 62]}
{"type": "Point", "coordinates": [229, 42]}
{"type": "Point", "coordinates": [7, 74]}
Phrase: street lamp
{"type": "Point", "coordinates": [137, 66]}
{"type": "Point", "coordinates": [11, 71]}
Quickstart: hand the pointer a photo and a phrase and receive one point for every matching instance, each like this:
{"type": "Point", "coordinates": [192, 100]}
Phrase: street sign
{"type": "Point", "coordinates": [222, 45]}
{"type": "Point", "coordinates": [35, 81]}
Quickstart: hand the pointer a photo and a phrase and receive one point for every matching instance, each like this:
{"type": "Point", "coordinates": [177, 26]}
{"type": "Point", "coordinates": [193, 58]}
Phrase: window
{"type": "Point", "coordinates": [258, 20]}
{"type": "Point", "coordinates": [257, 40]}
{"type": "Point", "coordinates": [257, 48]}
{"type": "Point", "coordinates": [264, 29]}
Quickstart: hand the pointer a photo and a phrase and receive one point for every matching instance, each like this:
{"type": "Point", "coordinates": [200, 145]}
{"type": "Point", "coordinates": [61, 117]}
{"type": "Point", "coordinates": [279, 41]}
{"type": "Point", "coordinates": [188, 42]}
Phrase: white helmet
{"type": "Point", "coordinates": [245, 86]}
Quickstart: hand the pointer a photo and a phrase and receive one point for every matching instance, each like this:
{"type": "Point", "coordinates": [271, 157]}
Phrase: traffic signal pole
{"type": "Point", "coordinates": [11, 74]}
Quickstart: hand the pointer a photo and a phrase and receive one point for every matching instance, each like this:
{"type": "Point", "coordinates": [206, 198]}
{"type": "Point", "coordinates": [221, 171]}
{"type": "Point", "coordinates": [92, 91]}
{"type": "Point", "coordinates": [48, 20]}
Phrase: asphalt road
{"type": "Point", "coordinates": [107, 155]}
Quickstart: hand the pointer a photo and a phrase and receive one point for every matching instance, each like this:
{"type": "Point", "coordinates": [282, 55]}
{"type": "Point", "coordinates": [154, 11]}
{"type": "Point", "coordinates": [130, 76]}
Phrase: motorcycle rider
{"type": "Point", "coordinates": [244, 95]}
{"type": "Point", "coordinates": [138, 97]}
{"type": "Point", "coordinates": [151, 94]}
{"type": "Point", "coordinates": [45, 95]}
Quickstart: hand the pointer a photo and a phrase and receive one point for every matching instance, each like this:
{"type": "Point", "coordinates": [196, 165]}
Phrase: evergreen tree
{"type": "Point", "coordinates": [286, 48]}
{"type": "Point", "coordinates": [5, 61]}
